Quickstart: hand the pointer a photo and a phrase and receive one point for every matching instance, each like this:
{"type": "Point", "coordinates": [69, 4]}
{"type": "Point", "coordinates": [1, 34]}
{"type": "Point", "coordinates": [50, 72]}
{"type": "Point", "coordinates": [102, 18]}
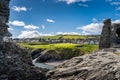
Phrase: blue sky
{"type": "Point", "coordinates": [33, 18]}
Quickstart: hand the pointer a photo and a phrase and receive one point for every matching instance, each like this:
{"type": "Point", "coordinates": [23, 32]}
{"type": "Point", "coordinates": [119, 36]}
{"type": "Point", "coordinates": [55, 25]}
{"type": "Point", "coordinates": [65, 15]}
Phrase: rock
{"type": "Point", "coordinates": [48, 55]}
{"type": "Point", "coordinates": [105, 35]}
{"type": "Point", "coordinates": [4, 16]}
{"type": "Point", "coordinates": [110, 36]}
{"type": "Point", "coordinates": [101, 65]}
{"type": "Point", "coordinates": [16, 64]}
{"type": "Point", "coordinates": [36, 53]}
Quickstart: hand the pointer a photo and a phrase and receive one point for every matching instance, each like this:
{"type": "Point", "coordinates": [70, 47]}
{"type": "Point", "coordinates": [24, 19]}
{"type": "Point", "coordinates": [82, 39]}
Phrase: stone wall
{"type": "Point", "coordinates": [110, 36]}
{"type": "Point", "coordinates": [105, 35]}
{"type": "Point", "coordinates": [15, 62]}
{"type": "Point", "coordinates": [4, 17]}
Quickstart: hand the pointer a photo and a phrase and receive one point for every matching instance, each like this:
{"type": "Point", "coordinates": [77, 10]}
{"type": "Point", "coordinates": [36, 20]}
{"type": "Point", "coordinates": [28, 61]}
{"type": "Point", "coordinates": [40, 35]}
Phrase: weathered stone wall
{"type": "Point", "coordinates": [15, 62]}
{"type": "Point", "coordinates": [110, 36]}
{"type": "Point", "coordinates": [4, 17]}
{"type": "Point", "coordinates": [105, 35]}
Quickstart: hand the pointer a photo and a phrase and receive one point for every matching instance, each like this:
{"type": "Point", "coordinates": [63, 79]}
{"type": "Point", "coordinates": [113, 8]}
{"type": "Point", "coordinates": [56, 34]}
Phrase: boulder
{"type": "Point", "coordinates": [101, 65]}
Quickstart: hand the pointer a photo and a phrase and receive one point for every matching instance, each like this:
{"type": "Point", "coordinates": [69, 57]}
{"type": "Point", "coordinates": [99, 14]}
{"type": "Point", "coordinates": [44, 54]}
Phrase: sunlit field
{"type": "Point", "coordinates": [67, 50]}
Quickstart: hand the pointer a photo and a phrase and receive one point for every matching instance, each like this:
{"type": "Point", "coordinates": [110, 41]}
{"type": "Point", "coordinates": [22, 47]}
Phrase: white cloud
{"type": "Point", "coordinates": [116, 21]}
{"type": "Point", "coordinates": [32, 34]}
{"type": "Point", "coordinates": [83, 5]}
{"type": "Point", "coordinates": [22, 24]}
{"type": "Point", "coordinates": [93, 28]}
{"type": "Point", "coordinates": [18, 9]}
{"type": "Point", "coordinates": [50, 20]}
{"type": "Point", "coordinates": [72, 1]}
{"type": "Point", "coordinates": [31, 27]}
{"type": "Point", "coordinates": [29, 34]}
{"type": "Point", "coordinates": [17, 23]}
{"type": "Point", "coordinates": [67, 33]}
{"type": "Point", "coordinates": [86, 33]}
{"type": "Point", "coordinates": [94, 20]}
{"type": "Point", "coordinates": [10, 29]}
{"type": "Point", "coordinates": [49, 34]}
{"type": "Point", "coordinates": [43, 26]}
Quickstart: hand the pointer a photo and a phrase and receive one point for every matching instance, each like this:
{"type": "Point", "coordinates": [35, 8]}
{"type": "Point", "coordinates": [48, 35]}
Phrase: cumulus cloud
{"type": "Point", "coordinates": [116, 21]}
{"type": "Point", "coordinates": [85, 33]}
{"type": "Point", "coordinates": [83, 5]}
{"type": "Point", "coordinates": [49, 34]}
{"type": "Point", "coordinates": [31, 27]}
{"type": "Point", "coordinates": [18, 9]}
{"type": "Point", "coordinates": [17, 23]}
{"type": "Point", "coordinates": [93, 28]}
{"type": "Point", "coordinates": [29, 34]}
{"type": "Point", "coordinates": [50, 20]}
{"type": "Point", "coordinates": [72, 1]}
{"type": "Point", "coordinates": [67, 33]}
{"type": "Point", "coordinates": [32, 34]}
{"type": "Point", "coordinates": [22, 24]}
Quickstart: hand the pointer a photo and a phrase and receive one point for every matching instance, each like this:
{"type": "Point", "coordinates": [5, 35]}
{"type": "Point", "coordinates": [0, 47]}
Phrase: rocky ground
{"type": "Point", "coordinates": [16, 64]}
{"type": "Point", "coordinates": [101, 65]}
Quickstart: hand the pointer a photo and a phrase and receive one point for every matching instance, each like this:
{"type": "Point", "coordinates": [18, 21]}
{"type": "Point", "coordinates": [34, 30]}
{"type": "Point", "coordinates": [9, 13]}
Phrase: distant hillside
{"type": "Point", "coordinates": [71, 36]}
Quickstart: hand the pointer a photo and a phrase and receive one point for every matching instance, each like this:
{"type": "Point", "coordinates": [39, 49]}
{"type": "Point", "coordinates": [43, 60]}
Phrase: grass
{"type": "Point", "coordinates": [66, 50]}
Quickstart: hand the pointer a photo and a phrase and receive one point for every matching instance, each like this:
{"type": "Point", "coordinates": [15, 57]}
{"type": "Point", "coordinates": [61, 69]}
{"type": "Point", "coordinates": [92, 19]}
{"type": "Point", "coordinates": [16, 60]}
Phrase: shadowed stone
{"type": "Point", "coordinates": [15, 62]}
{"type": "Point", "coordinates": [105, 35]}
{"type": "Point", "coordinates": [4, 17]}
{"type": "Point", "coordinates": [110, 36]}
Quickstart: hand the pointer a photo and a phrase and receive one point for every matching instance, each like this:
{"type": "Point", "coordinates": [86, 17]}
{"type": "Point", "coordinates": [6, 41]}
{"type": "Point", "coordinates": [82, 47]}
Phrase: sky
{"type": "Point", "coordinates": [34, 18]}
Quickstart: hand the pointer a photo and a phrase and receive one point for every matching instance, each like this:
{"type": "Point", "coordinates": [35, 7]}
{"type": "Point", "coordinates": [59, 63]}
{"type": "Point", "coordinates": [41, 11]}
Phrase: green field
{"type": "Point", "coordinates": [66, 50]}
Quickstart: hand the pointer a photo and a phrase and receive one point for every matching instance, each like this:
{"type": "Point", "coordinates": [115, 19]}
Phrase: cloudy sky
{"type": "Point", "coordinates": [33, 18]}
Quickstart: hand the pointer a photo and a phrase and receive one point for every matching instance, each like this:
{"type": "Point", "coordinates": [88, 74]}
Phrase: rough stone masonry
{"type": "Point", "coordinates": [15, 62]}
{"type": "Point", "coordinates": [110, 36]}
{"type": "Point", "coordinates": [4, 17]}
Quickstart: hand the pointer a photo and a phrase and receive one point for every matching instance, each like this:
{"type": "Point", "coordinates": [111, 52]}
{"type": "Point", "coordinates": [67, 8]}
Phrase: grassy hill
{"type": "Point", "coordinates": [66, 50]}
